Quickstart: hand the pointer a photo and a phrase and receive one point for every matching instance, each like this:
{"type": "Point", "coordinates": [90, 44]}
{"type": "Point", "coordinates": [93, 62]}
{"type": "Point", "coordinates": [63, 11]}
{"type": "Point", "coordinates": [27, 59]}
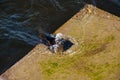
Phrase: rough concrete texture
{"type": "Point", "coordinates": [95, 55]}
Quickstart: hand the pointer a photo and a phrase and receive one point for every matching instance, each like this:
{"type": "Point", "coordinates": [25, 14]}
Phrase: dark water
{"type": "Point", "coordinates": [21, 21]}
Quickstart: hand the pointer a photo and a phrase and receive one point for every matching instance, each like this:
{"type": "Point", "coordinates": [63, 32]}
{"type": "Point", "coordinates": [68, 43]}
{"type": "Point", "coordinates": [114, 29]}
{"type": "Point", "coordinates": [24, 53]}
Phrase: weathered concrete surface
{"type": "Point", "coordinates": [97, 36]}
{"type": "Point", "coordinates": [26, 67]}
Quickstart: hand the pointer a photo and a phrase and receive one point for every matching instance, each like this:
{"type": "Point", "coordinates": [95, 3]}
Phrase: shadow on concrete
{"type": "Point", "coordinates": [67, 45]}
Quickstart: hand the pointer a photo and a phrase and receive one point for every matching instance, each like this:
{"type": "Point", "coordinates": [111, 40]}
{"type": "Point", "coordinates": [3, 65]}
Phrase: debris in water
{"type": "Point", "coordinates": [56, 43]}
